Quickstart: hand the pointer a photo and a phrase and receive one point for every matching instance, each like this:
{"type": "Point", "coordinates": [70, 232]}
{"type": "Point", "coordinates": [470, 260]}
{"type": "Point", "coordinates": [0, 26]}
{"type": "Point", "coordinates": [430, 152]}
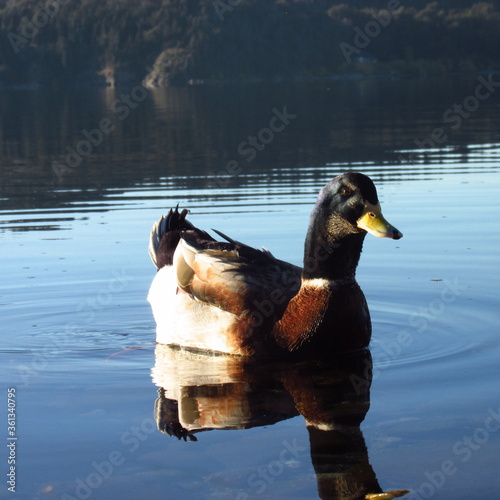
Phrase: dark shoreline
{"type": "Point", "coordinates": [344, 77]}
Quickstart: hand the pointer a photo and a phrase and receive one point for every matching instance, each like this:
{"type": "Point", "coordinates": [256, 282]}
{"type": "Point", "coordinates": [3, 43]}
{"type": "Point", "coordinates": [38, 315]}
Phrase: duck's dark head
{"type": "Point", "coordinates": [350, 204]}
{"type": "Point", "coordinates": [346, 209]}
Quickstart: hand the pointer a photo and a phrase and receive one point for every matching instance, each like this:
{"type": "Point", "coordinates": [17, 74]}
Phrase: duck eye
{"type": "Point", "coordinates": [345, 191]}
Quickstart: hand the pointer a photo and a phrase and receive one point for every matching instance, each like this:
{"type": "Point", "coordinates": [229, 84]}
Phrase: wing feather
{"type": "Point", "coordinates": [234, 277]}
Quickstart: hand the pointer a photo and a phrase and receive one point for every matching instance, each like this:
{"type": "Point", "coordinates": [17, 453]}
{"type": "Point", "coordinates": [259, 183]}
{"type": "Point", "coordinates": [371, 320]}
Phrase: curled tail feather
{"type": "Point", "coordinates": [165, 235]}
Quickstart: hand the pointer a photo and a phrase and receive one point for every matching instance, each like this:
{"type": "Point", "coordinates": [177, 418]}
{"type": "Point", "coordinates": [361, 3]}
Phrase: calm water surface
{"type": "Point", "coordinates": [95, 396]}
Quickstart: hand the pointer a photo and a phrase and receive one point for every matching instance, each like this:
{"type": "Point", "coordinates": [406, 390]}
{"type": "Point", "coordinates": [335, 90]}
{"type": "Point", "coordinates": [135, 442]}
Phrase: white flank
{"type": "Point", "coordinates": [183, 321]}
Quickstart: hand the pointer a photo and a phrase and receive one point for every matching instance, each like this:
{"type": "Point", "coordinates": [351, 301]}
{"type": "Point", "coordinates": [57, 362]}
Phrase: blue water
{"type": "Point", "coordinates": [78, 334]}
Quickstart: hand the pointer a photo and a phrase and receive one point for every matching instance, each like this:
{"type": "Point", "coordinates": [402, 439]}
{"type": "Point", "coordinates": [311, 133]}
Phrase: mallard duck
{"type": "Point", "coordinates": [227, 297]}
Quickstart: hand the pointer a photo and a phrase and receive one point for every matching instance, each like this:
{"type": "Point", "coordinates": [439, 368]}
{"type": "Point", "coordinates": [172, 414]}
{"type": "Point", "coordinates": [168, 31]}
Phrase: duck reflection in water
{"type": "Point", "coordinates": [199, 392]}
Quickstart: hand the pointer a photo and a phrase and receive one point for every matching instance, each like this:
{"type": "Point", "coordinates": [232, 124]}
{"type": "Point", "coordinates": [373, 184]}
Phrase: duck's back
{"type": "Point", "coordinates": [218, 296]}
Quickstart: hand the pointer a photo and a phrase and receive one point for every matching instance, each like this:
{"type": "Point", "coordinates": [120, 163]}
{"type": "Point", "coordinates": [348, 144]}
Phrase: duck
{"type": "Point", "coordinates": [225, 297]}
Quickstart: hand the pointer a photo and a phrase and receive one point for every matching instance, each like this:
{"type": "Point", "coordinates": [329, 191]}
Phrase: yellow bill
{"type": "Point", "coordinates": [374, 223]}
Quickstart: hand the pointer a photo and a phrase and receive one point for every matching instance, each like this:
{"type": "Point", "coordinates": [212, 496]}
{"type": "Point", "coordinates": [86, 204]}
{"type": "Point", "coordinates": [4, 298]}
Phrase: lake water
{"type": "Point", "coordinates": [85, 173]}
